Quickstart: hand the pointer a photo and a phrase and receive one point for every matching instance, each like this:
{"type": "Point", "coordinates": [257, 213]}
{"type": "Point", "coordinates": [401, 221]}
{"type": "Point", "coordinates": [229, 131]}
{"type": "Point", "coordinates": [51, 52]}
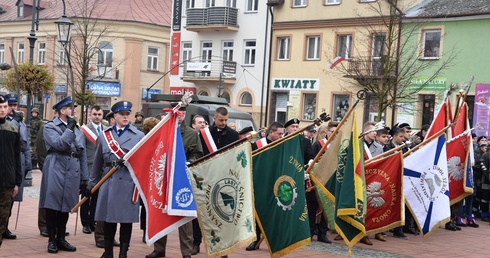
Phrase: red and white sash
{"type": "Point", "coordinates": [208, 139]}
{"type": "Point", "coordinates": [261, 143]}
{"type": "Point", "coordinates": [367, 152]}
{"type": "Point", "coordinates": [323, 141]}
{"type": "Point", "coordinates": [91, 136]}
{"type": "Point", "coordinates": [118, 152]}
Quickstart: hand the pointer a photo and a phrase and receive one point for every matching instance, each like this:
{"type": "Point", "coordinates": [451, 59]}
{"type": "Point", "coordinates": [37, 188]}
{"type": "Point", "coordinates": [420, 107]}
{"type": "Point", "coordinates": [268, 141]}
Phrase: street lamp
{"type": "Point", "coordinates": [63, 30]}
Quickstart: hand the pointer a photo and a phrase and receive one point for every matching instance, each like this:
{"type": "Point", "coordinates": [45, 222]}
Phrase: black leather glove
{"type": "Point", "coordinates": [86, 191]}
{"type": "Point", "coordinates": [18, 116]}
{"type": "Point", "coordinates": [71, 123]}
{"type": "Point", "coordinates": [120, 162]}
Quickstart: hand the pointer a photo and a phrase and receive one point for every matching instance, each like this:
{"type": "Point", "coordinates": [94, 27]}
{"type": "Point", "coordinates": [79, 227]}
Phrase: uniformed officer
{"type": "Point", "coordinates": [16, 118]}
{"type": "Point", "coordinates": [35, 123]}
{"type": "Point", "coordinates": [114, 204]}
{"type": "Point", "coordinates": [64, 173]}
{"type": "Point", "coordinates": [138, 122]}
{"type": "Point", "coordinates": [10, 163]}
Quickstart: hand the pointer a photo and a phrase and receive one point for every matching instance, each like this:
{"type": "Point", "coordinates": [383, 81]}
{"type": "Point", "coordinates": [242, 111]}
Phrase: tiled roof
{"type": "Point", "coordinates": [158, 12]}
{"type": "Point", "coordinates": [449, 8]}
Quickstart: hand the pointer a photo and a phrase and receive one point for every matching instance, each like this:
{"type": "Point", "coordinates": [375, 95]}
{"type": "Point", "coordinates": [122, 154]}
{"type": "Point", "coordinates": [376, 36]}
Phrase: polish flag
{"type": "Point", "coordinates": [335, 62]}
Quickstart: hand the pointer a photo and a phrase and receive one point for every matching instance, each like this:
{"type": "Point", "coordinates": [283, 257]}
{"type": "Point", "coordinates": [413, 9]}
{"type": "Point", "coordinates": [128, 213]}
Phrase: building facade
{"type": "Point", "coordinates": [128, 46]}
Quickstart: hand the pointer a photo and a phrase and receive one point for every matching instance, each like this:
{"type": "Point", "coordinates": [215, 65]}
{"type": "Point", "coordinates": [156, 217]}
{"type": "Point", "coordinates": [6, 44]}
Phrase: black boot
{"type": "Point", "coordinates": [108, 249]}
{"type": "Point", "coordinates": [62, 243]}
{"type": "Point", "coordinates": [52, 246]}
{"type": "Point", "coordinates": [123, 253]}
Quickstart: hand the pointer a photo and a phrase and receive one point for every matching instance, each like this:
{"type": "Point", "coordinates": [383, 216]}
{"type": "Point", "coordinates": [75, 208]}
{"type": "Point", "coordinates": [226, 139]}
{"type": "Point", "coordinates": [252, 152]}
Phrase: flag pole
{"type": "Point", "coordinates": [463, 97]}
{"type": "Point", "coordinates": [427, 140]}
{"type": "Point", "coordinates": [458, 104]}
{"type": "Point", "coordinates": [96, 187]}
{"type": "Point", "coordinates": [320, 153]}
{"type": "Point", "coordinates": [385, 154]}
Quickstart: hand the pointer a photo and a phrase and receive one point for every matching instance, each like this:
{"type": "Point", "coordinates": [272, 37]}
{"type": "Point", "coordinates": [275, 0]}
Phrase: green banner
{"type": "Point", "coordinates": [279, 192]}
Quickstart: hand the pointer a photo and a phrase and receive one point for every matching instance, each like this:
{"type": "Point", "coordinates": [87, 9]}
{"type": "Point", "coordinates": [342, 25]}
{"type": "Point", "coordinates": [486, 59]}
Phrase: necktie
{"type": "Point", "coordinates": [119, 132]}
{"type": "Point", "coordinates": [98, 129]}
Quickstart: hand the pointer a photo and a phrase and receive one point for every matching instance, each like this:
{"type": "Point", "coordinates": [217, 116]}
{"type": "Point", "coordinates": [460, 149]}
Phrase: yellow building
{"type": "Point", "coordinates": [307, 36]}
{"type": "Point", "coordinates": [129, 46]}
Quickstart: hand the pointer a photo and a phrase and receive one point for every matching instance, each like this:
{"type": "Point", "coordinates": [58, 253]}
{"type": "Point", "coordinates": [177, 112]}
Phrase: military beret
{"type": "Point", "coordinates": [122, 106]}
{"type": "Point", "coordinates": [246, 130]}
{"type": "Point", "coordinates": [404, 125]}
{"type": "Point", "coordinates": [63, 103]}
{"type": "Point", "coordinates": [291, 122]}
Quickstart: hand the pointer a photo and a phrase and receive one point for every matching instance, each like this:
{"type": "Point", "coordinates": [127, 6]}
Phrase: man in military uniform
{"type": "Point", "coordinates": [11, 172]}
{"type": "Point", "coordinates": [193, 151]}
{"type": "Point", "coordinates": [138, 122]}
{"type": "Point", "coordinates": [16, 118]}
{"type": "Point", "coordinates": [115, 195]}
{"type": "Point", "coordinates": [35, 123]}
{"type": "Point", "coordinates": [64, 173]}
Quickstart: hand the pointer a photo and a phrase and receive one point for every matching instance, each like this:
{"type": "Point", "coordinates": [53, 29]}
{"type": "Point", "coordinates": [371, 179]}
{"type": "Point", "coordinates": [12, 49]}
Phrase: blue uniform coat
{"type": "Point", "coordinates": [62, 174]}
{"type": "Point", "coordinates": [114, 203]}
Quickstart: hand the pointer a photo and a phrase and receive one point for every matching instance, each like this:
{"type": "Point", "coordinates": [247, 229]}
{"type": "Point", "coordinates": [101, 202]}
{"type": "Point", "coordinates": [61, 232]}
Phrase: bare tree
{"type": "Point", "coordinates": [388, 58]}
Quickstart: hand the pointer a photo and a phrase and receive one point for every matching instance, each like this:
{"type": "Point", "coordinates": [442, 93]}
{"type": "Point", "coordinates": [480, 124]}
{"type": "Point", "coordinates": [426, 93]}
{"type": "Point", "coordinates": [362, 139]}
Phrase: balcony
{"type": "Point", "coordinates": [211, 72]}
{"type": "Point", "coordinates": [371, 68]}
{"type": "Point", "coordinates": [216, 18]}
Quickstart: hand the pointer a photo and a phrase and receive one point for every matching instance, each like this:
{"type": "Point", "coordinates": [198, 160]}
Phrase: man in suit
{"type": "Point", "coordinates": [115, 195]}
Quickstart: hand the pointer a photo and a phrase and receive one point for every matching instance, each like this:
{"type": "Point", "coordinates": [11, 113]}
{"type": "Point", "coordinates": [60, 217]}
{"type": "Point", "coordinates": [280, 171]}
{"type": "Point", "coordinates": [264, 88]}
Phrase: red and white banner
{"type": "Point", "coordinates": [175, 52]}
{"type": "Point", "coordinates": [457, 155]}
{"type": "Point", "coordinates": [151, 163]}
{"type": "Point", "coordinates": [335, 62]}
{"type": "Point", "coordinates": [384, 194]}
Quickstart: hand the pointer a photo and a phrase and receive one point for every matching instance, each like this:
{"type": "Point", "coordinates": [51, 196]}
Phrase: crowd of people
{"type": "Point", "coordinates": [74, 158]}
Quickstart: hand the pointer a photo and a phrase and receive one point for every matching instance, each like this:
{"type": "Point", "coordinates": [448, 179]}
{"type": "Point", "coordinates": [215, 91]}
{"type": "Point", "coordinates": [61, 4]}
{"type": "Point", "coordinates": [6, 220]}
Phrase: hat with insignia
{"type": "Point", "coordinates": [63, 103]}
{"type": "Point", "coordinates": [291, 122]}
{"type": "Point", "coordinates": [2, 99]}
{"type": "Point", "coordinates": [109, 115]}
{"type": "Point", "coordinates": [12, 99]}
{"type": "Point", "coordinates": [246, 130]}
{"type": "Point", "coordinates": [122, 106]}
{"type": "Point", "coordinates": [311, 129]}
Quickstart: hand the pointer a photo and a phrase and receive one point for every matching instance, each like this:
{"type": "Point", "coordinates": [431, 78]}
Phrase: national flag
{"type": "Point", "coordinates": [384, 191]}
{"type": "Point", "coordinates": [426, 185]}
{"type": "Point", "coordinates": [222, 186]}
{"type": "Point", "coordinates": [151, 163]}
{"type": "Point", "coordinates": [350, 189]}
{"type": "Point", "coordinates": [180, 198]}
{"type": "Point", "coordinates": [462, 123]}
{"type": "Point", "coordinates": [335, 62]}
{"type": "Point", "coordinates": [457, 160]}
{"type": "Point", "coordinates": [279, 190]}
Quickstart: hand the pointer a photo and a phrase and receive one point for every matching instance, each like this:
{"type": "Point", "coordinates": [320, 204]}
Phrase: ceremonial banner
{"type": "Point", "coordinates": [350, 189]}
{"type": "Point", "coordinates": [180, 198]}
{"type": "Point", "coordinates": [426, 185]}
{"type": "Point", "coordinates": [457, 155]}
{"type": "Point", "coordinates": [222, 187]}
{"type": "Point", "coordinates": [385, 201]}
{"type": "Point", "coordinates": [442, 119]}
{"type": "Point", "coordinates": [151, 162]}
{"type": "Point", "coordinates": [279, 190]}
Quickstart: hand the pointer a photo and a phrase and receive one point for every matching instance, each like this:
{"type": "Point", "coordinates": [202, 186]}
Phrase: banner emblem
{"type": "Point", "coordinates": [225, 192]}
{"type": "Point", "coordinates": [184, 197]}
{"type": "Point", "coordinates": [285, 192]}
{"type": "Point", "coordinates": [433, 181]}
{"type": "Point", "coordinates": [455, 168]}
{"type": "Point", "coordinates": [374, 195]}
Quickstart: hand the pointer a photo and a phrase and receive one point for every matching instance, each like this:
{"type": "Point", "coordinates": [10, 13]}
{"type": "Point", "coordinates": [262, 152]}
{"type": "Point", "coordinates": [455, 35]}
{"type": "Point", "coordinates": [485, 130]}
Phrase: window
{"type": "Point", "coordinates": [203, 93]}
{"type": "Point", "coordinates": [61, 55]}
{"type": "Point", "coordinates": [309, 107]}
{"type": "Point", "coordinates": [207, 51]}
{"type": "Point", "coordinates": [329, 2]}
{"type": "Point", "coordinates": [186, 51]}
{"type": "Point", "coordinates": [340, 106]}
{"type": "Point", "coordinates": [41, 55]}
{"type": "Point", "coordinates": [299, 3]}
{"type": "Point", "coordinates": [246, 99]}
{"type": "Point", "coordinates": [228, 50]}
{"type": "Point", "coordinates": [344, 46]}
{"type": "Point", "coordinates": [231, 3]}
{"type": "Point", "coordinates": [252, 5]}
{"type": "Point", "coordinates": [210, 3]}
{"type": "Point", "coordinates": [105, 54]}
{"type": "Point", "coordinates": [2, 53]}
{"type": "Point", "coordinates": [283, 48]}
{"type": "Point", "coordinates": [226, 96]}
{"type": "Point", "coordinates": [249, 57]}
{"type": "Point", "coordinates": [432, 43]}
{"type": "Point", "coordinates": [379, 41]}
{"type": "Point", "coordinates": [313, 48]}
{"type": "Point", "coordinates": [152, 63]}
{"type": "Point", "coordinates": [20, 53]}
{"type": "Point", "coordinates": [20, 9]}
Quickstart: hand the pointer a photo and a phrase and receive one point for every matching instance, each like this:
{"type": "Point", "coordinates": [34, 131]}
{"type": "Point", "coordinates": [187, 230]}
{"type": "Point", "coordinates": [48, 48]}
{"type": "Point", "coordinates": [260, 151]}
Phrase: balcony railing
{"type": "Point", "coordinates": [212, 18]}
{"type": "Point", "coordinates": [370, 67]}
{"type": "Point", "coordinates": [212, 71]}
